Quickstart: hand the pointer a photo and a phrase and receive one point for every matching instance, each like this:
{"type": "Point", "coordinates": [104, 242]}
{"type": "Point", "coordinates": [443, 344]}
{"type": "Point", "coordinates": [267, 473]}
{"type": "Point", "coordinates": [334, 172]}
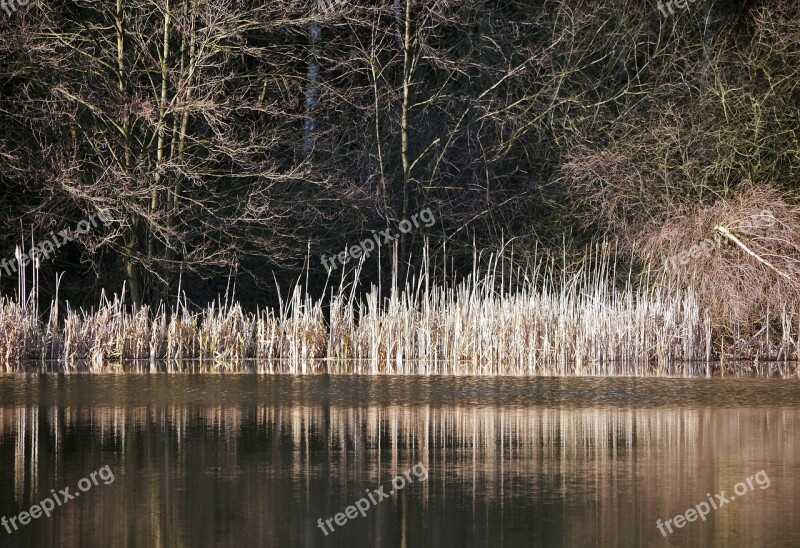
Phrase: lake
{"type": "Point", "coordinates": [256, 460]}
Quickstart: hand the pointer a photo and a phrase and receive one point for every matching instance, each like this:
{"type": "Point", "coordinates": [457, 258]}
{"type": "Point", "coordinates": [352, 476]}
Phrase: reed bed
{"type": "Point", "coordinates": [548, 324]}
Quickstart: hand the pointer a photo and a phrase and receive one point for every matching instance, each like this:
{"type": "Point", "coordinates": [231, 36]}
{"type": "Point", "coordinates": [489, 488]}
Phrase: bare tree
{"type": "Point", "coordinates": [177, 109]}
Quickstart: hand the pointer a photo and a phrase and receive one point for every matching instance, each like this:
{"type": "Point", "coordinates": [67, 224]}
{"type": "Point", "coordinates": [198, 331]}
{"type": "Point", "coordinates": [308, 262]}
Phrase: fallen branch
{"type": "Point", "coordinates": [728, 234]}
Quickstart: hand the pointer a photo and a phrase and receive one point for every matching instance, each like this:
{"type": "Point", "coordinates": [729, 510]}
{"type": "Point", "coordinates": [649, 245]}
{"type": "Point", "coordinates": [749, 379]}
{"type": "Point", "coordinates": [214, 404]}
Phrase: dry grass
{"type": "Point", "coordinates": [550, 324]}
{"type": "Point", "coordinates": [754, 259]}
{"type": "Point", "coordinates": [748, 277]}
{"type": "Point", "coordinates": [740, 246]}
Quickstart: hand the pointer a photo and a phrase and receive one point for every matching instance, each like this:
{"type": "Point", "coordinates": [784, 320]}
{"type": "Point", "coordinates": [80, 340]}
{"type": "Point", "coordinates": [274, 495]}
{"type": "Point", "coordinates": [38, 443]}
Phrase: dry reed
{"type": "Point", "coordinates": [551, 323]}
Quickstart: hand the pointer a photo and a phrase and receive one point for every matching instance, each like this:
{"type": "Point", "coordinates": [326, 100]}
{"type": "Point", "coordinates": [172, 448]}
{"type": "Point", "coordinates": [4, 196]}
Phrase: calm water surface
{"type": "Point", "coordinates": [246, 460]}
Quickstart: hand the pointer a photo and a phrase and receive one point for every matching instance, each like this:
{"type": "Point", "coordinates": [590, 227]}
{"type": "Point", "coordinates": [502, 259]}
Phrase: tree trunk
{"type": "Point", "coordinates": [312, 91]}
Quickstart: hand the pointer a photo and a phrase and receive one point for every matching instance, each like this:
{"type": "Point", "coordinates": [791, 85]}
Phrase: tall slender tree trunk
{"type": "Point", "coordinates": [187, 71]}
{"type": "Point", "coordinates": [407, 73]}
{"type": "Point", "coordinates": [131, 272]}
{"type": "Point", "coordinates": [312, 91]}
{"type": "Point", "coordinates": [161, 145]}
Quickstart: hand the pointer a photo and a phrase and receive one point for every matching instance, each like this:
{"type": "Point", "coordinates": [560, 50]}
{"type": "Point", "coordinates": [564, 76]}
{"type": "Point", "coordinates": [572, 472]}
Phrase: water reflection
{"type": "Point", "coordinates": [257, 460]}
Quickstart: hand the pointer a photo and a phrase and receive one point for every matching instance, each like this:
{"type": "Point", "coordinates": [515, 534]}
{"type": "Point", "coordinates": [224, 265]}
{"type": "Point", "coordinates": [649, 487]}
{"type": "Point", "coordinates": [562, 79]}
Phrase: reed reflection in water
{"type": "Point", "coordinates": [249, 460]}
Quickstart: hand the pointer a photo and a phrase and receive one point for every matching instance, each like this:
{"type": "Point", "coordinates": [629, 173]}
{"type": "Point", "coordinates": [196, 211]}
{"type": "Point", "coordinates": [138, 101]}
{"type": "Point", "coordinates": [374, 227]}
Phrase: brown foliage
{"type": "Point", "coordinates": [707, 248]}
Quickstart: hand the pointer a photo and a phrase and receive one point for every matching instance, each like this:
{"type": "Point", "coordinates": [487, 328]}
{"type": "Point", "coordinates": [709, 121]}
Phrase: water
{"type": "Point", "coordinates": [246, 460]}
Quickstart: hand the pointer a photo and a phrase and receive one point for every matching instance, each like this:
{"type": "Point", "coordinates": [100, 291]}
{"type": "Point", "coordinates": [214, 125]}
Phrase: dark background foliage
{"type": "Point", "coordinates": [236, 141]}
